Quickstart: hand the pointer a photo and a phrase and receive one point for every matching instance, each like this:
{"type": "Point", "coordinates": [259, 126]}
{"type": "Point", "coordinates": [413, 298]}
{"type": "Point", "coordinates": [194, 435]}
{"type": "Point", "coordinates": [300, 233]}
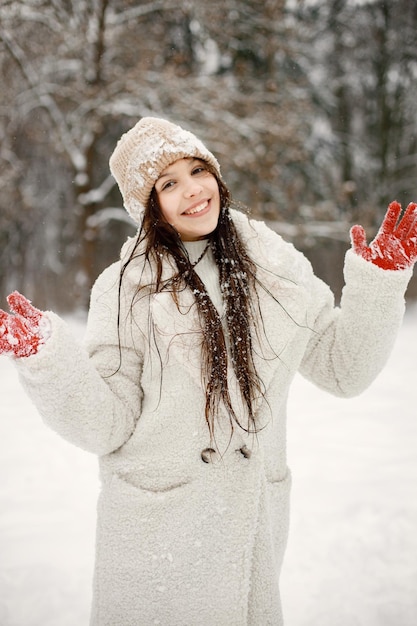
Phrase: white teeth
{"type": "Point", "coordinates": [197, 209]}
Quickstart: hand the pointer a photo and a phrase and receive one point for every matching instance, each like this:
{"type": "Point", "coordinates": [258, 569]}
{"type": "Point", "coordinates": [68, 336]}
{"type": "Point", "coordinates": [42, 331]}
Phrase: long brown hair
{"type": "Point", "coordinates": [237, 275]}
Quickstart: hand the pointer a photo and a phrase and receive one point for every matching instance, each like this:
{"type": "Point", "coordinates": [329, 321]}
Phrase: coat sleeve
{"type": "Point", "coordinates": [90, 394]}
{"type": "Point", "coordinates": [350, 344]}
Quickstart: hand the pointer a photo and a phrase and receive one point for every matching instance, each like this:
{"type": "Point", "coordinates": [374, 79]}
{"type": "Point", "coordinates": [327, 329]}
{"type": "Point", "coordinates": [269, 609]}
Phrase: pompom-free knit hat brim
{"type": "Point", "coordinates": [142, 154]}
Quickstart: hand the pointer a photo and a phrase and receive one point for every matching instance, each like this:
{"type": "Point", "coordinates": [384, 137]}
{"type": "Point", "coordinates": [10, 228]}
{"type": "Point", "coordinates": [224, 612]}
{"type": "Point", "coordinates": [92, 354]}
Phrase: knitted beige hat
{"type": "Point", "coordinates": [144, 152]}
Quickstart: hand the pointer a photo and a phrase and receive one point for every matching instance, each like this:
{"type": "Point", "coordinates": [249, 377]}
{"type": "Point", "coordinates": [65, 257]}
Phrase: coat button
{"type": "Point", "coordinates": [207, 454]}
{"type": "Point", "coordinates": [245, 451]}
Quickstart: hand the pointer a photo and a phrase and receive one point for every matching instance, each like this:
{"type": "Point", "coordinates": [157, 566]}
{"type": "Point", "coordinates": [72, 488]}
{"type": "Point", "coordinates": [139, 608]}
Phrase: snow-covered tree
{"type": "Point", "coordinates": [361, 62]}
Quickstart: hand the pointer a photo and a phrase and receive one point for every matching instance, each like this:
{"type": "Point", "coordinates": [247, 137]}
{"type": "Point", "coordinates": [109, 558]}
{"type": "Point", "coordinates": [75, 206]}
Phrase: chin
{"type": "Point", "coordinates": [200, 233]}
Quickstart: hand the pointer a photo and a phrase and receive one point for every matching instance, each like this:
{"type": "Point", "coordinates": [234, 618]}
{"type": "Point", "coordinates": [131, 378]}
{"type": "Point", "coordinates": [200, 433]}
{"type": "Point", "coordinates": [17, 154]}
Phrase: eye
{"type": "Point", "coordinates": [167, 185]}
{"type": "Point", "coordinates": [199, 169]}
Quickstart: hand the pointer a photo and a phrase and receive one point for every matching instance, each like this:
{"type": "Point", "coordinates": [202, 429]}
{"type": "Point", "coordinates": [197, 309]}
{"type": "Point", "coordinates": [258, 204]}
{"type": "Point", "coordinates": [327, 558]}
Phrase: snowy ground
{"type": "Point", "coordinates": [352, 555]}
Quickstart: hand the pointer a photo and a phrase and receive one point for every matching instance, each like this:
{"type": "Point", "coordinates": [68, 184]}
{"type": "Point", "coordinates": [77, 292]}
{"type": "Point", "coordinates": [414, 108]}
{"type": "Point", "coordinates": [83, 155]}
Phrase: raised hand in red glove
{"type": "Point", "coordinates": [395, 245]}
{"type": "Point", "coordinates": [23, 331]}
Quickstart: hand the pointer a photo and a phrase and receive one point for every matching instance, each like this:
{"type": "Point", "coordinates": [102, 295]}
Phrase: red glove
{"type": "Point", "coordinates": [395, 245]}
{"type": "Point", "coordinates": [21, 334]}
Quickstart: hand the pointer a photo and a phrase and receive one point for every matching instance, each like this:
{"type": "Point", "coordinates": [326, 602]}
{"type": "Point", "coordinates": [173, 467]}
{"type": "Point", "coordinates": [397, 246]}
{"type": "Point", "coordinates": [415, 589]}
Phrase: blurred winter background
{"type": "Point", "coordinates": [310, 107]}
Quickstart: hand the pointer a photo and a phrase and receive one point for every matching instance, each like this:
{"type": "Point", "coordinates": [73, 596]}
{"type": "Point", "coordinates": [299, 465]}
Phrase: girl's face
{"type": "Point", "coordinates": [189, 198]}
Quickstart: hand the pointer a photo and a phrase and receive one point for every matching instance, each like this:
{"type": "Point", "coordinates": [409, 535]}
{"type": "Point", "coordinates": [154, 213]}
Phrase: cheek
{"type": "Point", "coordinates": [167, 206]}
{"type": "Point", "coordinates": [216, 190]}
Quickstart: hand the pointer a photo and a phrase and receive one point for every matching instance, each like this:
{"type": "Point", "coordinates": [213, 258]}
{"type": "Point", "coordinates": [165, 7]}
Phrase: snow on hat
{"type": "Point", "coordinates": [144, 151]}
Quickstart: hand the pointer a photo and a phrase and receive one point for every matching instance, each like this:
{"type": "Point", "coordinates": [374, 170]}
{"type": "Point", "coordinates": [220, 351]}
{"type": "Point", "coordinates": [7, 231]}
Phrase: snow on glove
{"type": "Point", "coordinates": [395, 245]}
{"type": "Point", "coordinates": [23, 331]}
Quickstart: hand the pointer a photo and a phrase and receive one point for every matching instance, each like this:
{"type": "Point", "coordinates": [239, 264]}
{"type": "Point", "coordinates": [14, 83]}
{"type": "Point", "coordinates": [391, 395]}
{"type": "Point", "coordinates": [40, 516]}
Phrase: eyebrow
{"type": "Point", "coordinates": [167, 174]}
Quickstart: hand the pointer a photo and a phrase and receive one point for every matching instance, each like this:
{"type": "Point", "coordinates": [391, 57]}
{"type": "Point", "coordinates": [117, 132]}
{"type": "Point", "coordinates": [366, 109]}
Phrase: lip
{"type": "Point", "coordinates": [194, 206]}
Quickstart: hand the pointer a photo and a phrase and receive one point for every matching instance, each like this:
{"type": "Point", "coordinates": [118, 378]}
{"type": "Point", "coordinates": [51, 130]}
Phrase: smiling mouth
{"type": "Point", "coordinates": [197, 209]}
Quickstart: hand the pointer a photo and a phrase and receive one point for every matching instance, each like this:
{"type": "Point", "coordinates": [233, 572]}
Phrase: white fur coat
{"type": "Point", "coordinates": [183, 542]}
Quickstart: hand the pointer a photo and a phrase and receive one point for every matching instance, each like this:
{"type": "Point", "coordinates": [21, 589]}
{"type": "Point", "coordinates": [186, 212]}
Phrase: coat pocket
{"type": "Point", "coordinates": [278, 496]}
{"type": "Point", "coordinates": [152, 483]}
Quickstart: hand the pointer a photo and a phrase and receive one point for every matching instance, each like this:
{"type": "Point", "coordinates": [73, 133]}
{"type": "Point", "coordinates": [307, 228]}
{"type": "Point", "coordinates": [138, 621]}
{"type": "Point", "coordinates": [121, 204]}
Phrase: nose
{"type": "Point", "coordinates": [192, 188]}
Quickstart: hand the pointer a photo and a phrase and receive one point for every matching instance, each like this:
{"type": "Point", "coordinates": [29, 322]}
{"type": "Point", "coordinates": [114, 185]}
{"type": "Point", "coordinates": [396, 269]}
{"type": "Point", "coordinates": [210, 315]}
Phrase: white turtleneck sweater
{"type": "Point", "coordinates": [207, 270]}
